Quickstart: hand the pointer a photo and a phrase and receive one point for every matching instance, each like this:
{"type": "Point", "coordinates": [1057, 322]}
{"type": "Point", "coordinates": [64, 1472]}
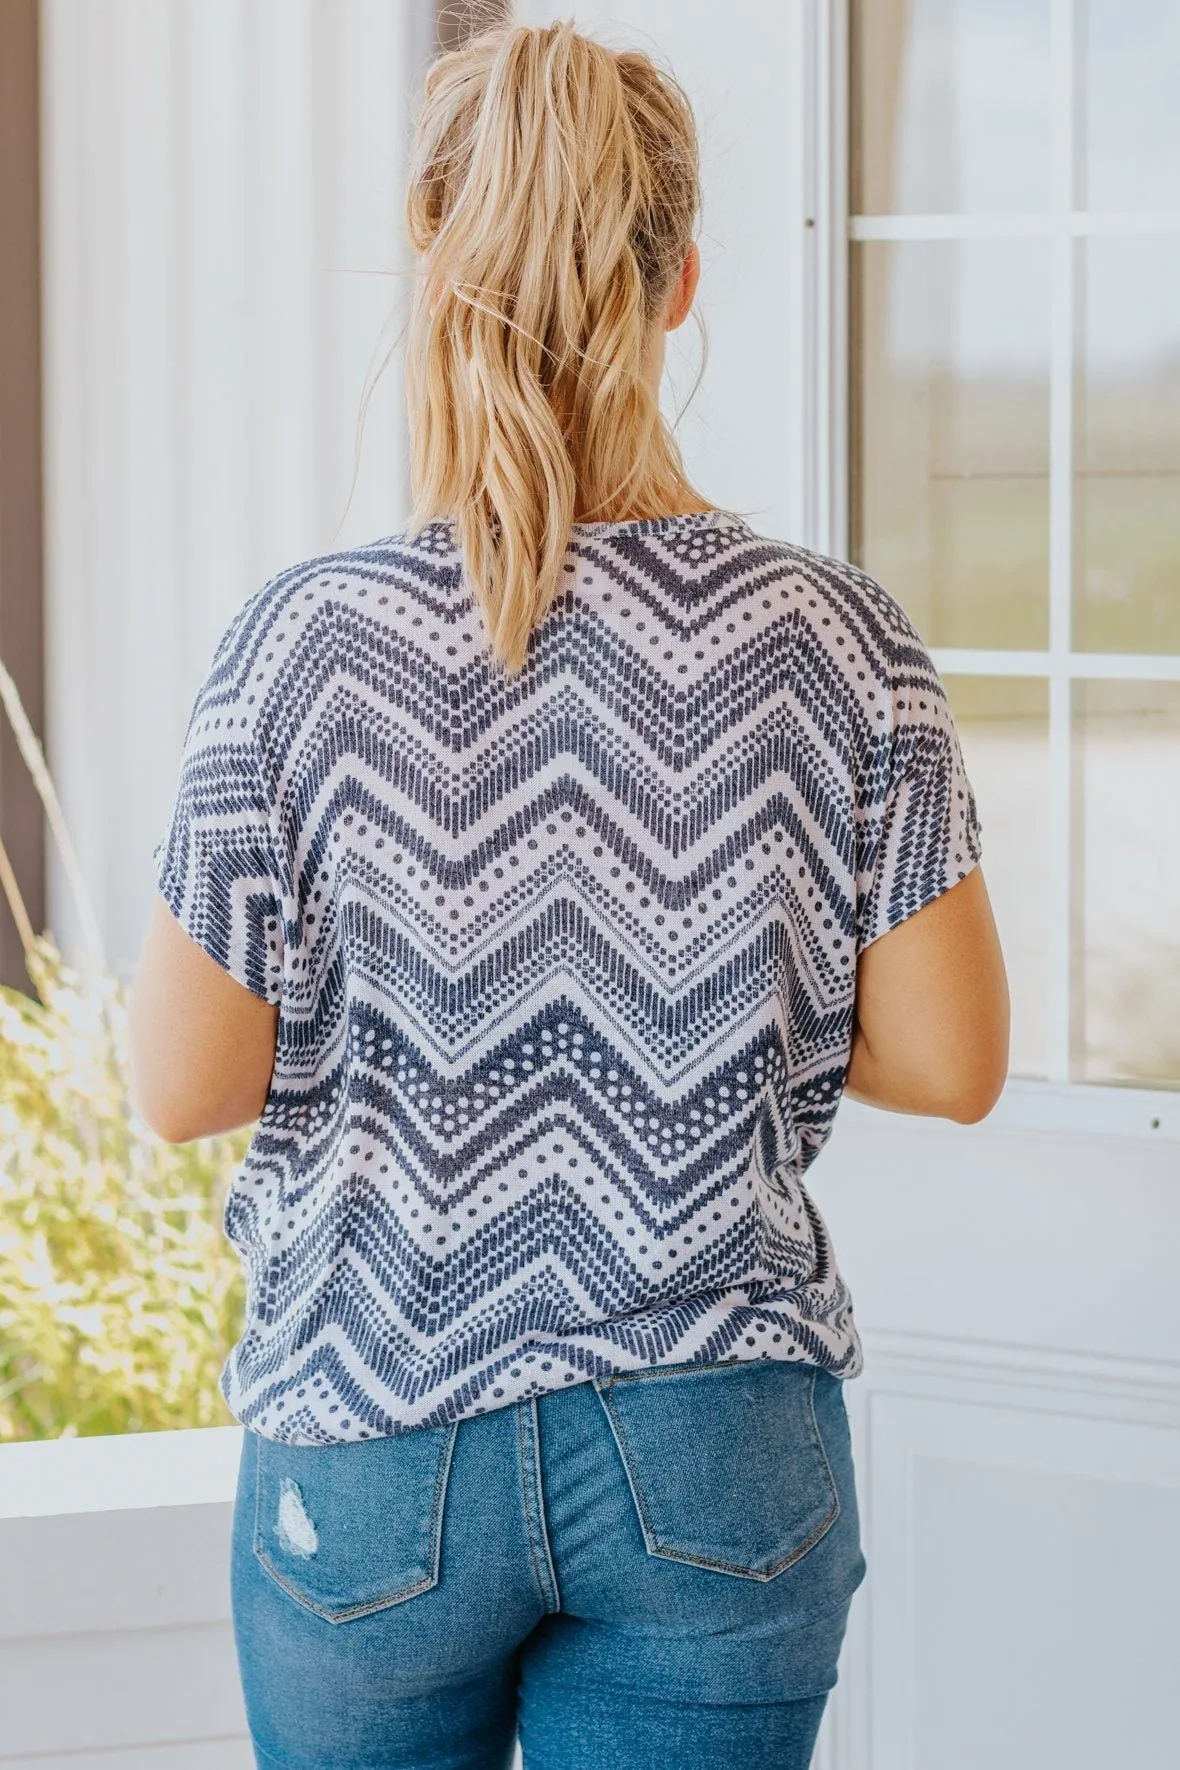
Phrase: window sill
{"type": "Point", "coordinates": [1054, 1108]}
{"type": "Point", "coordinates": [134, 1471]}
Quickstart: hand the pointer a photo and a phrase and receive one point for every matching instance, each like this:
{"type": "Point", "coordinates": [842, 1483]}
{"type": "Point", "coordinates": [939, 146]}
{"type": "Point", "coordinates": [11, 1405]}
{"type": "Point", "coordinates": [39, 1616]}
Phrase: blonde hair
{"type": "Point", "coordinates": [553, 196]}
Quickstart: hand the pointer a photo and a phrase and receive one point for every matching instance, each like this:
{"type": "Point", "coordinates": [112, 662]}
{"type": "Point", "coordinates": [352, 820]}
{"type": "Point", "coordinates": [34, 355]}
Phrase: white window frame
{"type": "Point", "coordinates": [829, 229]}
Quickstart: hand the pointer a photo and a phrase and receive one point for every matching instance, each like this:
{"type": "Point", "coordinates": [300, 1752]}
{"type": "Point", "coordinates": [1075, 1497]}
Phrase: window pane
{"type": "Point", "coordinates": [1004, 725]}
{"type": "Point", "coordinates": [950, 498]}
{"type": "Point", "coordinates": [1132, 119]}
{"type": "Point", "coordinates": [1127, 966]}
{"type": "Point", "coordinates": [950, 105]}
{"type": "Point", "coordinates": [1128, 452]}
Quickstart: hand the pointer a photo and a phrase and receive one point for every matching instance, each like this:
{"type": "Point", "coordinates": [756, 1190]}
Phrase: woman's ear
{"type": "Point", "coordinates": [683, 294]}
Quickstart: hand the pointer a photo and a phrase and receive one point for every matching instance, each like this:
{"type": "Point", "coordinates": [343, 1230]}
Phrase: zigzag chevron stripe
{"type": "Point", "coordinates": [565, 962]}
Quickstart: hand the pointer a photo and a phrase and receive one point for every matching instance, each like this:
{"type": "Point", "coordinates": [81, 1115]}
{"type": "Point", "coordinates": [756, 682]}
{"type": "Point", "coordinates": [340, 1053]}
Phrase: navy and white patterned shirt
{"type": "Point", "coordinates": [564, 961]}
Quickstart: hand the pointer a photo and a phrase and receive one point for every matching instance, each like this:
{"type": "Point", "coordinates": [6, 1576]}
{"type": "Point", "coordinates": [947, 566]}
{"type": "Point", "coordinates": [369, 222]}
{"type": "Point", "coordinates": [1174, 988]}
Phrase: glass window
{"type": "Point", "coordinates": [1127, 489]}
{"type": "Point", "coordinates": [1003, 722]}
{"type": "Point", "coordinates": [951, 433]}
{"type": "Point", "coordinates": [950, 100]}
{"type": "Point", "coordinates": [1014, 471]}
{"type": "Point", "coordinates": [1127, 818]}
{"type": "Point", "coordinates": [1130, 53]}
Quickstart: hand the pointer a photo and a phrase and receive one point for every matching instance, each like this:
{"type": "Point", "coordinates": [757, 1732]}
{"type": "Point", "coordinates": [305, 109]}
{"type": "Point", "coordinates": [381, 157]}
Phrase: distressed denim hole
{"type": "Point", "coordinates": [293, 1528]}
{"type": "Point", "coordinates": [346, 1529]}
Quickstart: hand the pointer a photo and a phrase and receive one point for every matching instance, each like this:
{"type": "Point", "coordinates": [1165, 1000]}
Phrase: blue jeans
{"type": "Point", "coordinates": [654, 1569]}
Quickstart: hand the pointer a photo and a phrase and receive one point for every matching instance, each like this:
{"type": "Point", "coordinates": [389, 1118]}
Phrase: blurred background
{"type": "Point", "coordinates": [941, 291]}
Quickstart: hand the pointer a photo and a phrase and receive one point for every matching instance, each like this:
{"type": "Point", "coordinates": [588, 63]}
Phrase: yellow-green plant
{"type": "Point", "coordinates": [119, 1294]}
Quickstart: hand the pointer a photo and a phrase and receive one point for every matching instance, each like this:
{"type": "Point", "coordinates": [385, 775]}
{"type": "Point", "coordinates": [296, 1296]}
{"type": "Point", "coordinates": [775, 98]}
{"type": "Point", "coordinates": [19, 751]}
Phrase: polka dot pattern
{"type": "Point", "coordinates": [565, 961]}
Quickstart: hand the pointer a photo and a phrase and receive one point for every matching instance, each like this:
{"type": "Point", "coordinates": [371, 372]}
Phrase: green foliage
{"type": "Point", "coordinates": [119, 1293]}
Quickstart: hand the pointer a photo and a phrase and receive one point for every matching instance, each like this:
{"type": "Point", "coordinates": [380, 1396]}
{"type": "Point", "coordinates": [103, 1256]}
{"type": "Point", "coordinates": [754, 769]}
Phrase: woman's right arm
{"type": "Point", "coordinates": [931, 1028]}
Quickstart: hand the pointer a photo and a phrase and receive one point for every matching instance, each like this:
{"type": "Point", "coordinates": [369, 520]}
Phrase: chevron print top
{"type": "Point", "coordinates": [564, 962]}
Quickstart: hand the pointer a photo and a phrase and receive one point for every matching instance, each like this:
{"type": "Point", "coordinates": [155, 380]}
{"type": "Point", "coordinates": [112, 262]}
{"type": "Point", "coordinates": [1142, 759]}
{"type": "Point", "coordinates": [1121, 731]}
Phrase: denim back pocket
{"type": "Point", "coordinates": [346, 1529]}
{"type": "Point", "coordinates": [725, 1461]}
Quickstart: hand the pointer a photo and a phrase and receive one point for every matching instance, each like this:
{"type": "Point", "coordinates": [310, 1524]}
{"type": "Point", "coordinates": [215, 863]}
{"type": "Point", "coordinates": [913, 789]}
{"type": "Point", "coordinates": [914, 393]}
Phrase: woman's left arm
{"type": "Point", "coordinates": [202, 1044]}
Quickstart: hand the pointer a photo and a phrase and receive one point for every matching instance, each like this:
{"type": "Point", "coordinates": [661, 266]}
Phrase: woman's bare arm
{"type": "Point", "coordinates": [203, 1046]}
{"type": "Point", "coordinates": [931, 1033]}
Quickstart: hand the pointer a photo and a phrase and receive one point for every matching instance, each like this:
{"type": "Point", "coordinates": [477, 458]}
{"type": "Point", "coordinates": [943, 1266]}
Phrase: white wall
{"type": "Point", "coordinates": [222, 223]}
{"type": "Point", "coordinates": [744, 68]}
{"type": "Point", "coordinates": [1017, 1436]}
{"type": "Point", "coordinates": [116, 1651]}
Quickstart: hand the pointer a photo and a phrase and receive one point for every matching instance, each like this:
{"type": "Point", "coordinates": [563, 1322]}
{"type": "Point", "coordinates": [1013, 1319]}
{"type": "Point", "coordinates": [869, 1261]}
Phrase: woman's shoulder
{"type": "Point", "coordinates": [831, 585]}
{"type": "Point", "coordinates": [313, 593]}
{"type": "Point", "coordinates": [837, 606]}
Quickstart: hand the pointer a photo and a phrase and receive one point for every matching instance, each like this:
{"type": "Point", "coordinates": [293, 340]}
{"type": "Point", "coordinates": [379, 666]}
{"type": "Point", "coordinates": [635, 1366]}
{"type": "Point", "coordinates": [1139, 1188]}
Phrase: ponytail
{"type": "Point", "coordinates": [553, 195]}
